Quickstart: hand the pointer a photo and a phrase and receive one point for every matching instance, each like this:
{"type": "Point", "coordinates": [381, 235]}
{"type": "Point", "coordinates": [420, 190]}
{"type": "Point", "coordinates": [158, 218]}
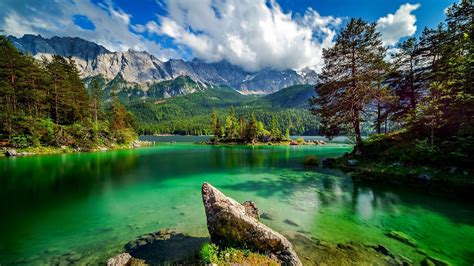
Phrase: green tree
{"type": "Point", "coordinates": [118, 115]}
{"type": "Point", "coordinates": [251, 134]}
{"type": "Point", "coordinates": [231, 130]}
{"type": "Point", "coordinates": [242, 127]}
{"type": "Point", "coordinates": [216, 125]}
{"type": "Point", "coordinates": [97, 100]}
{"type": "Point", "coordinates": [347, 79]}
{"type": "Point", "coordinates": [404, 79]}
{"type": "Point", "coordinates": [287, 134]}
{"type": "Point", "coordinates": [275, 132]}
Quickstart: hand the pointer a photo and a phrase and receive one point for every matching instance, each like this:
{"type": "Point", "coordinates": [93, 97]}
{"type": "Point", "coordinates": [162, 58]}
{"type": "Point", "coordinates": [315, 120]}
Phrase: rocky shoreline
{"type": "Point", "coordinates": [31, 151]}
{"type": "Point", "coordinates": [236, 225]}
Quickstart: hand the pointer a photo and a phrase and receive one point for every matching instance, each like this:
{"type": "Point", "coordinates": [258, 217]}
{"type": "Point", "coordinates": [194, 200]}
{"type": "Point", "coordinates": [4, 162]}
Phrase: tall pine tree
{"type": "Point", "coordinates": [347, 79]}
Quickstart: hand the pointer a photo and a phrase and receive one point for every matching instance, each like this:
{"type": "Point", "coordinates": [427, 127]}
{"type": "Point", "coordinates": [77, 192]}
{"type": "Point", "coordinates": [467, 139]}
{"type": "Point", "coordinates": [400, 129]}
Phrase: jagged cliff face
{"type": "Point", "coordinates": [143, 68]}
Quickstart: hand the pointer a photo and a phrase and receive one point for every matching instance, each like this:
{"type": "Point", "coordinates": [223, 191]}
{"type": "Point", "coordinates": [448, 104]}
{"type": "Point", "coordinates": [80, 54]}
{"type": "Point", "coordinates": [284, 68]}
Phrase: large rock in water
{"type": "Point", "coordinates": [232, 224]}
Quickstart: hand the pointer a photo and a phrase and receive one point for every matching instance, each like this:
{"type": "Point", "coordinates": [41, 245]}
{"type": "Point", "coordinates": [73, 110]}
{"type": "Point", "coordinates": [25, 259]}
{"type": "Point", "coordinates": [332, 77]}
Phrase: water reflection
{"type": "Point", "coordinates": [99, 198]}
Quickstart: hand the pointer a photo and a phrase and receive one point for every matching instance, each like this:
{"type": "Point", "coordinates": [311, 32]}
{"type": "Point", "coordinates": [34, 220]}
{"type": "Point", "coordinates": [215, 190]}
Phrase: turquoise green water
{"type": "Point", "coordinates": [93, 203]}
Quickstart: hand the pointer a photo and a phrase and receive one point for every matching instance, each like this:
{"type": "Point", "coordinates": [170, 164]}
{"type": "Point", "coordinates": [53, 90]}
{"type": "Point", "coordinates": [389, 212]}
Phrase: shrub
{"type": "Point", "coordinates": [300, 140]}
{"type": "Point", "coordinates": [125, 136]}
{"type": "Point", "coordinates": [21, 141]}
{"type": "Point", "coordinates": [209, 253]}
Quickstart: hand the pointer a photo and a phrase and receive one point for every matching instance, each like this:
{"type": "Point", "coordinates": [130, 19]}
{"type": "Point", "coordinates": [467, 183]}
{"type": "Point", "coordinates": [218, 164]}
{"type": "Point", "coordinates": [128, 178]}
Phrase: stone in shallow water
{"type": "Point", "coordinates": [229, 224]}
{"type": "Point", "coordinates": [267, 216]}
{"type": "Point", "coordinates": [402, 237]}
{"type": "Point", "coordinates": [290, 222]}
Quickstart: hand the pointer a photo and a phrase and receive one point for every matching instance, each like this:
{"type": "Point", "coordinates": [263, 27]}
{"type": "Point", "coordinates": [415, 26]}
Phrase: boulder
{"type": "Point", "coordinates": [232, 224]}
{"type": "Point", "coordinates": [11, 153]}
{"type": "Point", "coordinates": [251, 209]}
{"type": "Point", "coordinates": [119, 260]}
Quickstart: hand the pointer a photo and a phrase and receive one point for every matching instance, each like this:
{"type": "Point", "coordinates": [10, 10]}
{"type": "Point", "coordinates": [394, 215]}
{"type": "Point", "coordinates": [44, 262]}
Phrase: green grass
{"type": "Point", "coordinates": [212, 254]}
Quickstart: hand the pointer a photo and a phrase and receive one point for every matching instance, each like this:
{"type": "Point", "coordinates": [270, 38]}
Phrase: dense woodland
{"type": "Point", "coordinates": [189, 114]}
{"type": "Point", "coordinates": [46, 104]}
{"type": "Point", "coordinates": [420, 95]}
{"type": "Point", "coordinates": [238, 130]}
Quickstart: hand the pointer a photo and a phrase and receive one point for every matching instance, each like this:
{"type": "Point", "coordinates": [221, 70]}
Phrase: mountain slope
{"type": "Point", "coordinates": [292, 97]}
{"type": "Point", "coordinates": [142, 68]}
{"type": "Point", "coordinates": [190, 114]}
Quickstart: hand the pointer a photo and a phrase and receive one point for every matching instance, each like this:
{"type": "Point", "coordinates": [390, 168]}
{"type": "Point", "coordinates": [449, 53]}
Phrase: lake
{"type": "Point", "coordinates": [193, 138]}
{"type": "Point", "coordinates": [92, 204]}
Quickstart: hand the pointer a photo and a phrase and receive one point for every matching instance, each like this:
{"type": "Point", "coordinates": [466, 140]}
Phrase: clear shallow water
{"type": "Point", "coordinates": [94, 203]}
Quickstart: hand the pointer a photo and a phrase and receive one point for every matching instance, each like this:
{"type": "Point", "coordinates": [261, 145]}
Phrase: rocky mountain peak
{"type": "Point", "coordinates": [140, 67]}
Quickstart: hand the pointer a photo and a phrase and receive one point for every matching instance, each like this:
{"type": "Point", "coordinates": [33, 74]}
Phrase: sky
{"type": "Point", "coordinates": [253, 34]}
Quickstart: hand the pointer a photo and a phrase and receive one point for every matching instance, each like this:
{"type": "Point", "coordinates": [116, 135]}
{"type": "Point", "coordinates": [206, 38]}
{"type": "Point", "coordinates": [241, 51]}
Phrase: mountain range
{"type": "Point", "coordinates": [142, 71]}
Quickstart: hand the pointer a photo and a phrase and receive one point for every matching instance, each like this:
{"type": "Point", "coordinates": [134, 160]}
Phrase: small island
{"type": "Point", "coordinates": [239, 131]}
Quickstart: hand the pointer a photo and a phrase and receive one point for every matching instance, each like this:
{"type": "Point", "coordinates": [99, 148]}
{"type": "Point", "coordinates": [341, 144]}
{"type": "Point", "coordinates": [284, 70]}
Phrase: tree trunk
{"type": "Point", "coordinates": [56, 100]}
{"type": "Point", "coordinates": [378, 125]}
{"type": "Point", "coordinates": [356, 124]}
{"type": "Point", "coordinates": [412, 86]}
{"type": "Point", "coordinates": [95, 110]}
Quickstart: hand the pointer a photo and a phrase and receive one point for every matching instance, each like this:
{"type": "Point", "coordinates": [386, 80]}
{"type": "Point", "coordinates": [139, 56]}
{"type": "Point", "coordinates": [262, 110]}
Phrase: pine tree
{"type": "Point", "coordinates": [350, 69]}
{"type": "Point", "coordinates": [97, 100]}
{"type": "Point", "coordinates": [231, 132]}
{"type": "Point", "coordinates": [275, 132]}
{"type": "Point", "coordinates": [242, 127]}
{"type": "Point", "coordinates": [405, 61]}
{"type": "Point", "coordinates": [216, 125]}
{"type": "Point", "coordinates": [252, 130]}
{"type": "Point", "coordinates": [118, 120]}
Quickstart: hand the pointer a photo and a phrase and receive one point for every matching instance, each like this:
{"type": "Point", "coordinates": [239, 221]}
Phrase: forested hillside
{"type": "Point", "coordinates": [189, 114]}
{"type": "Point", "coordinates": [45, 103]}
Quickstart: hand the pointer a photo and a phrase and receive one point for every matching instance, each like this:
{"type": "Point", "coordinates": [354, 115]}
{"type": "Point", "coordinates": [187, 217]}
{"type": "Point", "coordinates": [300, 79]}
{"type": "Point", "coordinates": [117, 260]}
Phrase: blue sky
{"type": "Point", "coordinates": [254, 34]}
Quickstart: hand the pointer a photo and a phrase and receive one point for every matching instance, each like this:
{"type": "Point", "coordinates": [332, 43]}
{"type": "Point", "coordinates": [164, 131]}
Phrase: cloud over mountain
{"type": "Point", "coordinates": [254, 34]}
{"type": "Point", "coordinates": [111, 24]}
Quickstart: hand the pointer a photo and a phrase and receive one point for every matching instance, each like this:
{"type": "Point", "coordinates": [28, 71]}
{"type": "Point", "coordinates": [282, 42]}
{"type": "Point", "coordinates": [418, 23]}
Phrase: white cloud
{"type": "Point", "coordinates": [393, 27]}
{"type": "Point", "coordinates": [253, 34]}
{"type": "Point", "coordinates": [112, 25]}
{"type": "Point", "coordinates": [250, 33]}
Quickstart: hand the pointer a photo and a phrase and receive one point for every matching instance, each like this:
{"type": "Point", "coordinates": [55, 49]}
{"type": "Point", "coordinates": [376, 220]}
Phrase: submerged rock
{"type": "Point", "coordinates": [311, 160]}
{"type": "Point", "coordinates": [428, 261]}
{"type": "Point", "coordinates": [230, 224]}
{"type": "Point", "coordinates": [267, 216]}
{"type": "Point", "coordinates": [402, 238]}
{"type": "Point", "coordinates": [290, 222]}
{"type": "Point", "coordinates": [11, 153]}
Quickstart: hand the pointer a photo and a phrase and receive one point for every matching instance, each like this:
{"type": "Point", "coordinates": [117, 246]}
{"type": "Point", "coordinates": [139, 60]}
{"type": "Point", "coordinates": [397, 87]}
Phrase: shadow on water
{"type": "Point", "coordinates": [177, 249]}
